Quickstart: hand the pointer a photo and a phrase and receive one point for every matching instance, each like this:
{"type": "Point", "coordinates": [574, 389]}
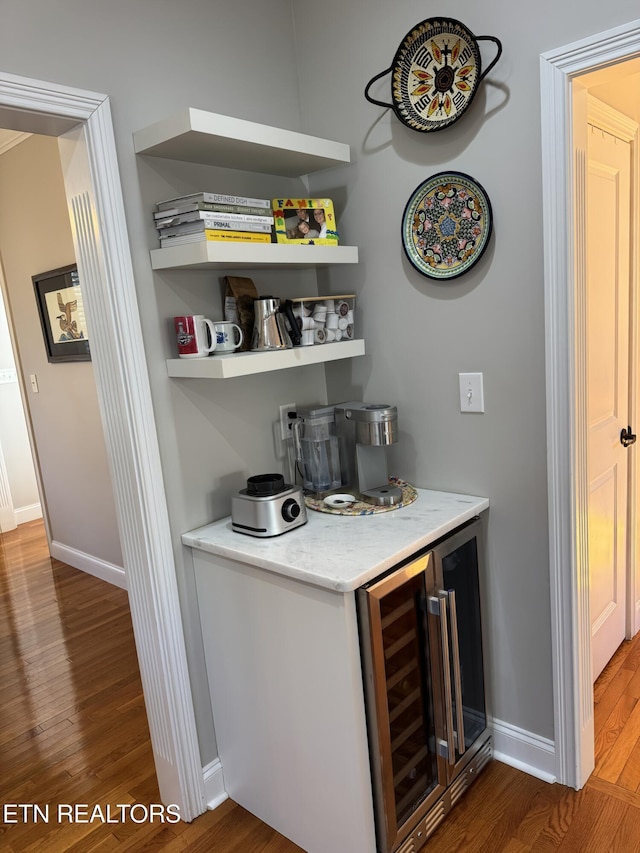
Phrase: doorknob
{"type": "Point", "coordinates": [627, 437]}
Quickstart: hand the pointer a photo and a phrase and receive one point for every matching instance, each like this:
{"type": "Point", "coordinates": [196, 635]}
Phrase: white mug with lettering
{"type": "Point", "coordinates": [228, 336]}
{"type": "Point", "coordinates": [195, 335]}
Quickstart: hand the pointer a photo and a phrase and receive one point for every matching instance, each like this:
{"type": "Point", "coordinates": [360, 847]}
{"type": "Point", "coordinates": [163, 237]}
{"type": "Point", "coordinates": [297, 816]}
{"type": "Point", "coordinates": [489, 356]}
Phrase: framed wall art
{"type": "Point", "coordinates": [305, 220]}
{"type": "Point", "coordinates": [61, 310]}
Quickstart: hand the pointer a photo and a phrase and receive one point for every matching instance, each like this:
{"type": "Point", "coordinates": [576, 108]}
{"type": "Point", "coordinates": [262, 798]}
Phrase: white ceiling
{"type": "Point", "coordinates": [617, 86]}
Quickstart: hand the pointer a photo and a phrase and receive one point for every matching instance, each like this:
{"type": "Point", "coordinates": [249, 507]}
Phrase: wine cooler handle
{"type": "Point", "coordinates": [448, 702]}
{"type": "Point", "coordinates": [457, 680]}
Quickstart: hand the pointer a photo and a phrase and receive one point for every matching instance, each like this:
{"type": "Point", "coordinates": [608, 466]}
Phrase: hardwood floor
{"type": "Point", "coordinates": [73, 730]}
{"type": "Point", "coordinates": [510, 812]}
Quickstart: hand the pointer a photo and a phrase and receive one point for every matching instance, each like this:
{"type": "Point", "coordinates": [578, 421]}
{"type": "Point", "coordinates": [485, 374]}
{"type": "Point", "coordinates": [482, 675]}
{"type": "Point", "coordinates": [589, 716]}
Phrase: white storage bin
{"type": "Point", "coordinates": [325, 319]}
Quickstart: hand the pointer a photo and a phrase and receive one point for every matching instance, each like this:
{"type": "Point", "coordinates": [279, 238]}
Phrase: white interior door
{"type": "Point", "coordinates": [608, 288]}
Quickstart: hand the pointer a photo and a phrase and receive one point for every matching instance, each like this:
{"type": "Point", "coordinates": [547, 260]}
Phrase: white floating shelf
{"type": "Point", "coordinates": [198, 136]}
{"type": "Point", "coordinates": [206, 253]}
{"type": "Point", "coordinates": [247, 363]}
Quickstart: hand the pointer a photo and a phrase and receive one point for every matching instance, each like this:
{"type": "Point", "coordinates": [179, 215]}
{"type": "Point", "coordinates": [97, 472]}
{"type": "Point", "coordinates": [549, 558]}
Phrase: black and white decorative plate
{"type": "Point", "coordinates": [435, 74]}
{"type": "Point", "coordinates": [446, 225]}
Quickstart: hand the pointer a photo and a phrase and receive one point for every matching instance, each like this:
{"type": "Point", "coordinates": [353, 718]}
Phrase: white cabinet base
{"type": "Point", "coordinates": [284, 672]}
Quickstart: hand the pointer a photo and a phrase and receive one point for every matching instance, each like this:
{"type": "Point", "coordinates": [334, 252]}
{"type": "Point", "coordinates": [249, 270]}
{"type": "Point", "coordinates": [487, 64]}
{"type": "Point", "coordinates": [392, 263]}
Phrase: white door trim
{"type": "Point", "coordinates": [565, 359]}
{"type": "Point", "coordinates": [7, 512]}
{"type": "Point", "coordinates": [104, 263]}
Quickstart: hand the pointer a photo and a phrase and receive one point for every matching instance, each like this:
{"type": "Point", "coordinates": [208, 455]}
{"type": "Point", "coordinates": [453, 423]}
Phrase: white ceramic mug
{"type": "Point", "coordinates": [195, 335]}
{"type": "Point", "coordinates": [228, 336]}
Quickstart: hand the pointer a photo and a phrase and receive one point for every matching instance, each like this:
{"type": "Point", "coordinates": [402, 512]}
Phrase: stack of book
{"type": "Point", "coordinates": [213, 216]}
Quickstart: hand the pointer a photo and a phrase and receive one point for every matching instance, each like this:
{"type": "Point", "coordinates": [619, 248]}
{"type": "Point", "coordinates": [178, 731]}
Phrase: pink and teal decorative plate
{"type": "Point", "coordinates": [446, 225]}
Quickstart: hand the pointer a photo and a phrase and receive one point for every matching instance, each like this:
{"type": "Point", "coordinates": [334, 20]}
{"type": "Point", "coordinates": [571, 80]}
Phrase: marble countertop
{"type": "Point", "coordinates": [343, 552]}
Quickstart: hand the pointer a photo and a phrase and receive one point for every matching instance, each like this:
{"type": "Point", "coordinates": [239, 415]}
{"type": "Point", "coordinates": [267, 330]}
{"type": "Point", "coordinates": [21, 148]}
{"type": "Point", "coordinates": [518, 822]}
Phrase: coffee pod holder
{"type": "Point", "coordinates": [323, 320]}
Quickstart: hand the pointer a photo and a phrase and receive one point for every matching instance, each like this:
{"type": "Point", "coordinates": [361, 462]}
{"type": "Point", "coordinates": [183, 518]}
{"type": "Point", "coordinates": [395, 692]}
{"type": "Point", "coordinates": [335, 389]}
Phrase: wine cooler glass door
{"type": "Point", "coordinates": [408, 773]}
{"type": "Point", "coordinates": [457, 573]}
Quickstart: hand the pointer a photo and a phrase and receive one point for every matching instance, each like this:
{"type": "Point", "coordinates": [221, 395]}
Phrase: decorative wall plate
{"type": "Point", "coordinates": [436, 73]}
{"type": "Point", "coordinates": [446, 225]}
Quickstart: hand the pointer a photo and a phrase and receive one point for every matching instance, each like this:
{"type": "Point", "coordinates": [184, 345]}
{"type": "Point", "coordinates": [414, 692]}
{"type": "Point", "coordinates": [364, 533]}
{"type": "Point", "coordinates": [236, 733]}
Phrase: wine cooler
{"type": "Point", "coordinates": [423, 667]}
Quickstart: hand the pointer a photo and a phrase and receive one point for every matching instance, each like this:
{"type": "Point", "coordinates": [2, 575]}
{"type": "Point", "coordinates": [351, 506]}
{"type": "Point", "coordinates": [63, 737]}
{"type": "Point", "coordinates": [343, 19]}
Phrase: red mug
{"type": "Point", "coordinates": [195, 334]}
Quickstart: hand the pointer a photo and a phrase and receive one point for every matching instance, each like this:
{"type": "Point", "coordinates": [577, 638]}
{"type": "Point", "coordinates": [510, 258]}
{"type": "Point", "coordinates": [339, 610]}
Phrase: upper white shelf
{"type": "Point", "coordinates": [234, 364]}
{"type": "Point", "coordinates": [198, 136]}
{"type": "Point", "coordinates": [204, 254]}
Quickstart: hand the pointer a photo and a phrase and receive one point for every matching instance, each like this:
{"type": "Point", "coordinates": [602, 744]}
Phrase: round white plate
{"type": "Point", "coordinates": [339, 501]}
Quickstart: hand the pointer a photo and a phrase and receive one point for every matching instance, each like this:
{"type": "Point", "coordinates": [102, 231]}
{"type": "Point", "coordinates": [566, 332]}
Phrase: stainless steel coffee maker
{"type": "Point", "coordinates": [365, 430]}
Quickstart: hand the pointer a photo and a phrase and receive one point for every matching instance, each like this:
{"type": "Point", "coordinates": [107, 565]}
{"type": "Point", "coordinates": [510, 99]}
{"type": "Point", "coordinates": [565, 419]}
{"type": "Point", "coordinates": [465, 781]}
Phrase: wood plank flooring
{"type": "Point", "coordinates": [73, 730]}
{"type": "Point", "coordinates": [73, 727]}
{"type": "Point", "coordinates": [510, 812]}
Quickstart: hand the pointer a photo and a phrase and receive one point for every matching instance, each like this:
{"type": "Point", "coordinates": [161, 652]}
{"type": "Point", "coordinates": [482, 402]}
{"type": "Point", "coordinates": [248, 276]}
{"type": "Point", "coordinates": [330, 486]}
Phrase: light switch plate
{"type": "Point", "coordinates": [471, 392]}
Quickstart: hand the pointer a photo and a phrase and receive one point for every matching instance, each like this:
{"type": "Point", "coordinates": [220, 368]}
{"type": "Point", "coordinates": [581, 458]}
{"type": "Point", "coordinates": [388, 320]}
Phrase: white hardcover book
{"type": "Point", "coordinates": [215, 224]}
{"type": "Point", "coordinates": [212, 207]}
{"type": "Point", "coordinates": [220, 198]}
{"type": "Point", "coordinates": [215, 236]}
{"type": "Point", "coordinates": [194, 216]}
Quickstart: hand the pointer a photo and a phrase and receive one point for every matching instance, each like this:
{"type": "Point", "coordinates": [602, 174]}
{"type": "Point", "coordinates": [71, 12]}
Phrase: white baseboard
{"type": "Point", "coordinates": [7, 519]}
{"type": "Point", "coordinates": [28, 513]}
{"type": "Point", "coordinates": [214, 792]}
{"type": "Point", "coordinates": [530, 753]}
{"type": "Point", "coordinates": [87, 563]}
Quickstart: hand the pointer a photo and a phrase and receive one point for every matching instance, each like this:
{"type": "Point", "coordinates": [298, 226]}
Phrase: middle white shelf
{"type": "Point", "coordinates": [247, 363]}
{"type": "Point", "coordinates": [204, 254]}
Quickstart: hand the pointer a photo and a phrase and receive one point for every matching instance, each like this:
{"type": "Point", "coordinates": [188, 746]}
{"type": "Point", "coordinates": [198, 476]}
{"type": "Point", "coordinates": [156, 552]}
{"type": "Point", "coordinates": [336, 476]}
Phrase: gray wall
{"type": "Point", "coordinates": [35, 236]}
{"type": "Point", "coordinates": [154, 58]}
{"type": "Point", "coordinates": [420, 334]}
